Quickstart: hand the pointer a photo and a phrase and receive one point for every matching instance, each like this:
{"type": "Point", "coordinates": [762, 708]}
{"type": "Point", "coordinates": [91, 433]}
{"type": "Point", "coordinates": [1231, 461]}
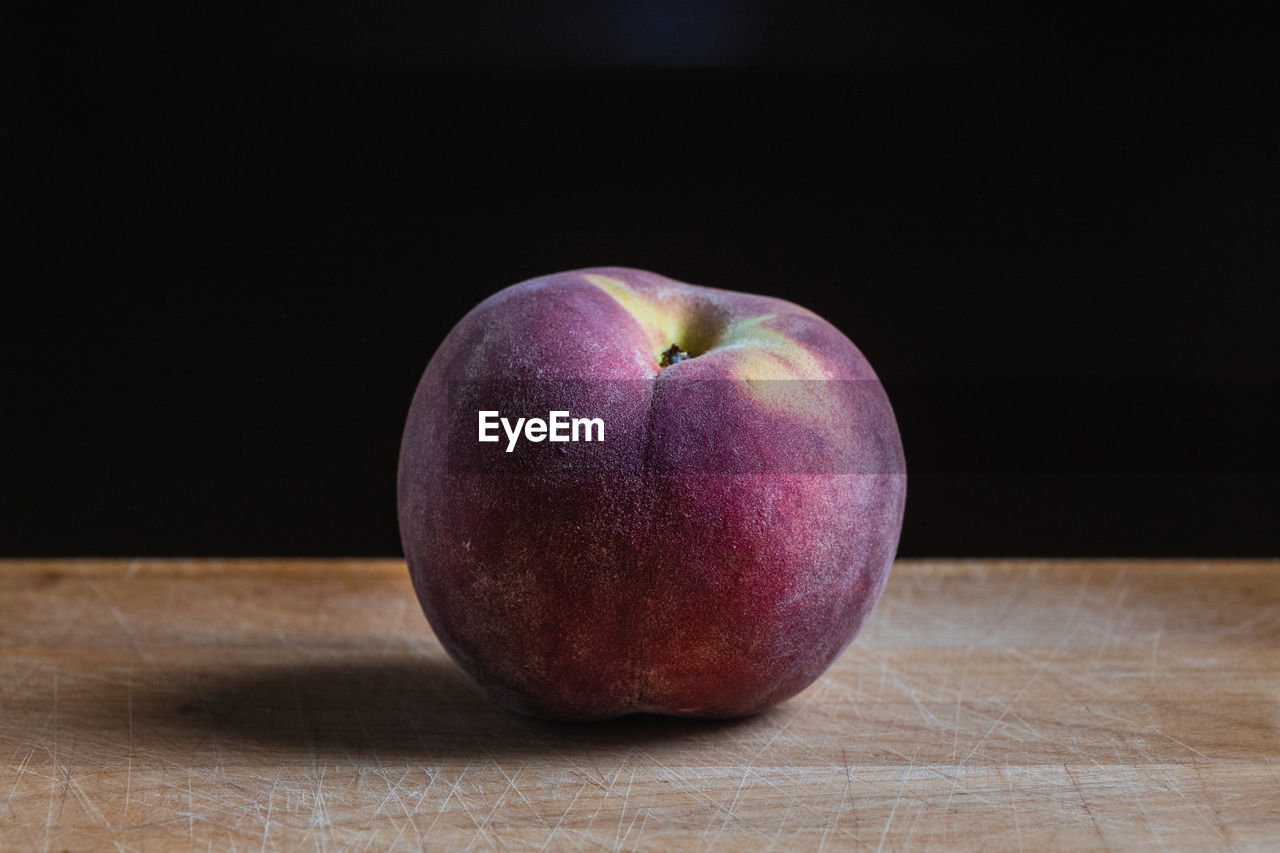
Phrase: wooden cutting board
{"type": "Point", "coordinates": [297, 705]}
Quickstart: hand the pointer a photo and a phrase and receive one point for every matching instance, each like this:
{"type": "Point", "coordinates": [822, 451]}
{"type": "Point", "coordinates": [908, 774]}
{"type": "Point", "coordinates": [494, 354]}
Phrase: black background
{"type": "Point", "coordinates": [232, 242]}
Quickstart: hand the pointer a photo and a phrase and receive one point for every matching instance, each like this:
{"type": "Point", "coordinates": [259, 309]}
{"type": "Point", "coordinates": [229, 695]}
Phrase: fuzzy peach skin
{"type": "Point", "coordinates": [710, 558]}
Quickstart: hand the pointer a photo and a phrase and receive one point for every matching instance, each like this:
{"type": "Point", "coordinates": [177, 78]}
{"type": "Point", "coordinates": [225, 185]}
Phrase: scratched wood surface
{"type": "Point", "coordinates": [293, 705]}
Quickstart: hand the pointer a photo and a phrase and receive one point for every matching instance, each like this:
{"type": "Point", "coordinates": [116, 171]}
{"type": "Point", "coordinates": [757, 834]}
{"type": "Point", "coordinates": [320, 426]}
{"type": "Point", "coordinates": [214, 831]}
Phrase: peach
{"type": "Point", "coordinates": [706, 549]}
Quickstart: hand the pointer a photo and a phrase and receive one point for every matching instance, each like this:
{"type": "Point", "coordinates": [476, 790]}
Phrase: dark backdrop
{"type": "Point", "coordinates": [232, 243]}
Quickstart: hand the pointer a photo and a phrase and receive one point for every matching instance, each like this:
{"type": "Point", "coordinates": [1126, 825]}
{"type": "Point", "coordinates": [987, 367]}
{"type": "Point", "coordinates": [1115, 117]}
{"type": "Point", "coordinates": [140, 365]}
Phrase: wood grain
{"type": "Point", "coordinates": [295, 705]}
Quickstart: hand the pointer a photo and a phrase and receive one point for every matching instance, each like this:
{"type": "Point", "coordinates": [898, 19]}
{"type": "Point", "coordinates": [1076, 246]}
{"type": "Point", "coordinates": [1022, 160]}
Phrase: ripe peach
{"type": "Point", "coordinates": [709, 556]}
